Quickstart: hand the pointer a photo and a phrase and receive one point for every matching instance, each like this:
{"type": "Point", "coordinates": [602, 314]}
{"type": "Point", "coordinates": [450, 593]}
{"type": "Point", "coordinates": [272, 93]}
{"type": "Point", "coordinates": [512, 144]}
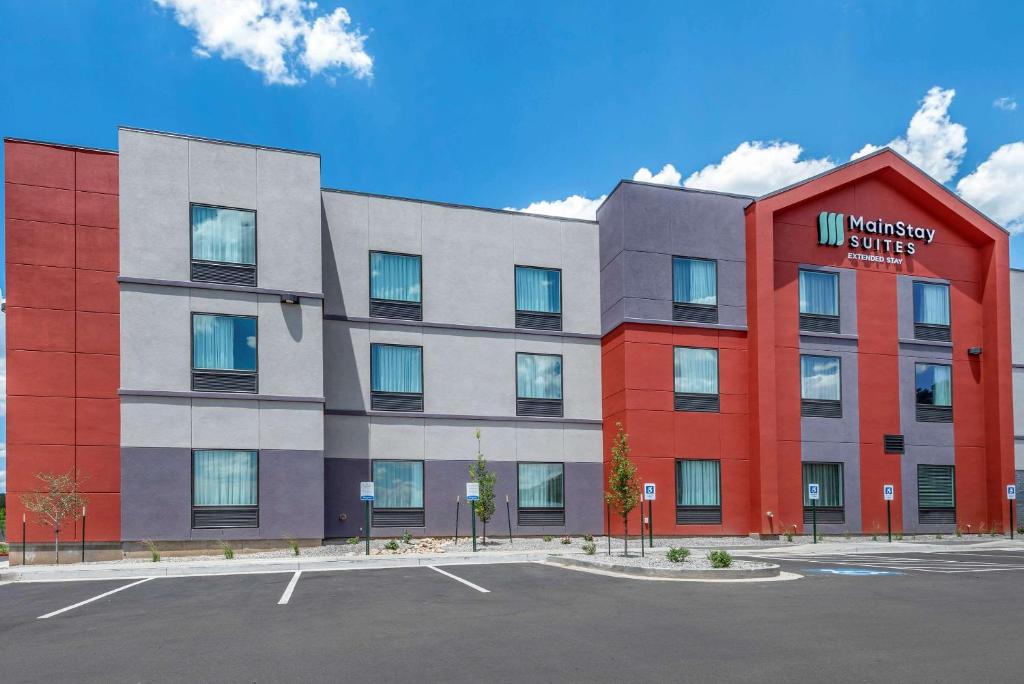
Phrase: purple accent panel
{"type": "Point", "coordinates": [849, 455]}
{"type": "Point", "coordinates": [156, 501]}
{"type": "Point", "coordinates": [920, 433]}
{"type": "Point", "coordinates": [341, 496]}
{"type": "Point", "coordinates": [847, 428]}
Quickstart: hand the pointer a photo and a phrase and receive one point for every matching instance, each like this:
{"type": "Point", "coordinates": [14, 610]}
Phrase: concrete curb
{"type": "Point", "coordinates": [720, 574]}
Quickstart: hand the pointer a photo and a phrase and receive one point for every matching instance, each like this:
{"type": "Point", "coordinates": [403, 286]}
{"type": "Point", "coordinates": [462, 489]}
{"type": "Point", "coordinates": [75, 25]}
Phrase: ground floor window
{"type": "Point", "coordinates": [698, 492]}
{"type": "Point", "coordinates": [398, 490]}
{"type": "Point", "coordinates": [225, 488]}
{"type": "Point", "coordinates": [541, 494]}
{"type": "Point", "coordinates": [829, 478]}
{"type": "Point", "coordinates": [936, 495]}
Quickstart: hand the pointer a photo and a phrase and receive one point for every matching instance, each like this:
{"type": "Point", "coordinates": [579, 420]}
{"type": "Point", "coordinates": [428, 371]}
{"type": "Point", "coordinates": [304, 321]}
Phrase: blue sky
{"type": "Point", "coordinates": [507, 104]}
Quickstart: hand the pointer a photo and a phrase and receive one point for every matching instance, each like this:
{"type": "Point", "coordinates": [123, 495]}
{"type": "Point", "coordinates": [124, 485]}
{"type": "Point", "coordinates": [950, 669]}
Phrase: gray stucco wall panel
{"type": "Point", "coordinates": [848, 454]}
{"type": "Point", "coordinates": [223, 175]}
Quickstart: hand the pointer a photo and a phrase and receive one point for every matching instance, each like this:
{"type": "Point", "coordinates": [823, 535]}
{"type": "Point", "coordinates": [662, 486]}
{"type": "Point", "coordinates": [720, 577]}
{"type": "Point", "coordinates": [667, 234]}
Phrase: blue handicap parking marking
{"type": "Point", "coordinates": [856, 572]}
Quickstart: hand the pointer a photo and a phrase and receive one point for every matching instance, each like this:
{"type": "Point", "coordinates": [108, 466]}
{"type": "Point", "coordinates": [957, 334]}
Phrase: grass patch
{"type": "Point", "coordinates": [154, 552]}
{"type": "Point", "coordinates": [229, 553]}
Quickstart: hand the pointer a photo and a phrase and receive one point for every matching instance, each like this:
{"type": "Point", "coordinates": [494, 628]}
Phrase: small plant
{"type": "Point", "coordinates": [406, 537]}
{"type": "Point", "coordinates": [720, 559]}
{"type": "Point", "coordinates": [958, 532]}
{"type": "Point", "coordinates": [229, 552]}
{"type": "Point", "coordinates": [3, 549]}
{"type": "Point", "coordinates": [391, 545]}
{"type": "Point", "coordinates": [898, 536]}
{"type": "Point", "coordinates": [677, 554]}
{"type": "Point", "coordinates": [566, 539]}
{"type": "Point", "coordinates": [995, 530]}
{"type": "Point", "coordinates": [547, 537]}
{"type": "Point", "coordinates": [154, 553]}
{"type": "Point", "coordinates": [588, 537]}
{"type": "Point", "coordinates": [938, 535]}
{"type": "Point", "coordinates": [293, 544]}
{"type": "Point", "coordinates": [789, 532]}
{"type": "Point", "coordinates": [589, 548]}
{"type": "Point", "coordinates": [848, 536]}
{"type": "Point", "coordinates": [353, 540]}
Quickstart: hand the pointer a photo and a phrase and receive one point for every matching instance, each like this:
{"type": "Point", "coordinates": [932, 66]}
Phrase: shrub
{"type": "Point", "coordinates": [958, 532]}
{"type": "Point", "coordinates": [898, 536]}
{"type": "Point", "coordinates": [391, 545]}
{"type": "Point", "coordinates": [154, 553]}
{"type": "Point", "coordinates": [353, 540]}
{"type": "Point", "coordinates": [589, 548]}
{"type": "Point", "coordinates": [566, 539]}
{"type": "Point", "coordinates": [293, 544]}
{"type": "Point", "coordinates": [938, 536]}
{"type": "Point", "coordinates": [229, 552]}
{"type": "Point", "coordinates": [588, 537]}
{"type": "Point", "coordinates": [406, 537]}
{"type": "Point", "coordinates": [720, 559]}
{"type": "Point", "coordinates": [677, 554]}
{"type": "Point", "coordinates": [3, 549]}
{"type": "Point", "coordinates": [789, 532]}
{"type": "Point", "coordinates": [547, 537]}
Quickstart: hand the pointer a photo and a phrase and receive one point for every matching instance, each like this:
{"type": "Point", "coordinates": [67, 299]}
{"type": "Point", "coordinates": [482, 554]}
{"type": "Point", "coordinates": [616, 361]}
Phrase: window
{"type": "Point", "coordinates": [931, 311]}
{"type": "Point", "coordinates": [696, 379]}
{"type": "Point", "coordinates": [223, 353]}
{"type": "Point", "coordinates": [395, 286]}
{"type": "Point", "coordinates": [819, 301]}
{"type": "Point", "coordinates": [225, 488]}
{"type": "Point", "coordinates": [820, 392]}
{"type": "Point", "coordinates": [698, 492]}
{"type": "Point", "coordinates": [538, 385]}
{"type": "Point", "coordinates": [934, 392]}
{"type": "Point", "coordinates": [223, 245]}
{"type": "Point", "coordinates": [538, 298]}
{"type": "Point", "coordinates": [829, 478]}
{"type": "Point", "coordinates": [936, 494]}
{"type": "Point", "coordinates": [541, 494]}
{"type": "Point", "coordinates": [396, 377]}
{"type": "Point", "coordinates": [398, 494]}
{"type": "Point", "coordinates": [694, 290]}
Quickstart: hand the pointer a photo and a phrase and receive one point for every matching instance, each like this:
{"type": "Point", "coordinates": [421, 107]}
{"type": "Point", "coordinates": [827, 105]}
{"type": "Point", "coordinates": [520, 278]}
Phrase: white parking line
{"type": "Point", "coordinates": [94, 598]}
{"type": "Point", "coordinates": [459, 579]}
{"type": "Point", "coordinates": [287, 595]}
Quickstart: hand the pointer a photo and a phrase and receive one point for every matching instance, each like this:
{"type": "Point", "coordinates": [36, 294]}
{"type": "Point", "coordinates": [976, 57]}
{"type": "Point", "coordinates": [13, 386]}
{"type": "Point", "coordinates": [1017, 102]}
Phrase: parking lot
{"type": "Point", "coordinates": [518, 622]}
{"type": "Point", "coordinates": [950, 563]}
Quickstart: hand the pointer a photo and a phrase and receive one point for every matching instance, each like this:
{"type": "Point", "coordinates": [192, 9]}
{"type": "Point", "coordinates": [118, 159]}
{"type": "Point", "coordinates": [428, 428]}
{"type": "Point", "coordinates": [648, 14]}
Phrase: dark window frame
{"type": "Point", "coordinates": [940, 332]}
{"type": "Point", "coordinates": [527, 319]}
{"type": "Point", "coordinates": [223, 372]}
{"type": "Point", "coordinates": [227, 264]}
{"type": "Point", "coordinates": [413, 517]}
{"type": "Point", "coordinates": [192, 494]}
{"type": "Point", "coordinates": [683, 312]}
{"type": "Point", "coordinates": [827, 319]}
{"type": "Point", "coordinates": [682, 509]}
{"type": "Point", "coordinates": [414, 310]}
{"type": "Point", "coordinates": [920, 509]}
{"type": "Point", "coordinates": [519, 464]}
{"type": "Point", "coordinates": [699, 402]}
{"type": "Point", "coordinates": [812, 408]}
{"type": "Point", "coordinates": [835, 511]}
{"type": "Point", "coordinates": [398, 395]}
{"type": "Point", "coordinates": [693, 258]}
{"type": "Point", "coordinates": [932, 412]}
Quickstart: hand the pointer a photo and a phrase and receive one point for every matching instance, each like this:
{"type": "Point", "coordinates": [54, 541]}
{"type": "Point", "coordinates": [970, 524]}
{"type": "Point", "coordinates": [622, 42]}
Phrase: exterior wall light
{"type": "Point", "coordinates": [289, 298]}
{"type": "Point", "coordinates": [974, 351]}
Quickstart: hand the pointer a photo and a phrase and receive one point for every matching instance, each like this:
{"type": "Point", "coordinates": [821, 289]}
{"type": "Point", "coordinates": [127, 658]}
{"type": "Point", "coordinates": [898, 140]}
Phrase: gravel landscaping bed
{"type": "Point", "coordinates": [695, 561]}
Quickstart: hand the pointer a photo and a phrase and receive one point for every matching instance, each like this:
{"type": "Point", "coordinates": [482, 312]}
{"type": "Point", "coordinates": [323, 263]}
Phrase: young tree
{"type": "Point", "coordinates": [479, 473]}
{"type": "Point", "coordinates": [623, 493]}
{"type": "Point", "coordinates": [57, 499]}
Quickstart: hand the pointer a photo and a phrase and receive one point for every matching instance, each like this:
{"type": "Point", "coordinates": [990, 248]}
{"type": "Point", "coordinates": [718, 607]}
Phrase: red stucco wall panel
{"type": "Point", "coordinates": [42, 244]}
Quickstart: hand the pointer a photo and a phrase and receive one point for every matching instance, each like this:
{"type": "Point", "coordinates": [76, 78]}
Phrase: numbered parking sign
{"type": "Point", "coordinates": [888, 492]}
{"type": "Point", "coordinates": [649, 491]}
{"type": "Point", "coordinates": [472, 491]}
{"type": "Point", "coordinates": [813, 492]}
{"type": "Point", "coordinates": [1011, 492]}
{"type": "Point", "coordinates": [366, 491]}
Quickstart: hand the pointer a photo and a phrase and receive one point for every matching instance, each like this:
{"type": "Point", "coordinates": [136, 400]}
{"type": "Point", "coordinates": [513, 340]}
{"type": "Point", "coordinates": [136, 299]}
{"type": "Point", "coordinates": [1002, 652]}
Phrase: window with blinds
{"type": "Point", "coordinates": [936, 494]}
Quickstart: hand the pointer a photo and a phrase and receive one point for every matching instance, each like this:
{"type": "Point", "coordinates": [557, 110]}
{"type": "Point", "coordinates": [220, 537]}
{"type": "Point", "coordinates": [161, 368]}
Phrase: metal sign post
{"type": "Point", "coordinates": [607, 526]}
{"type": "Point", "coordinates": [472, 496]}
{"type": "Point", "coordinates": [650, 493]}
{"type": "Point", "coordinates": [888, 492]}
{"type": "Point", "coordinates": [457, 499]}
{"type": "Point", "coordinates": [366, 494]}
{"type": "Point", "coordinates": [508, 514]}
{"type": "Point", "coordinates": [83, 534]}
{"type": "Point", "coordinates": [1011, 496]}
{"type": "Point", "coordinates": [813, 492]}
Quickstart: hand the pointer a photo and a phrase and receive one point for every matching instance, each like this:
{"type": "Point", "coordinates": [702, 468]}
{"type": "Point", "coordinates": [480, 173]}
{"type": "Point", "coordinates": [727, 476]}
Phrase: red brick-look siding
{"type": "Point", "coordinates": [63, 413]}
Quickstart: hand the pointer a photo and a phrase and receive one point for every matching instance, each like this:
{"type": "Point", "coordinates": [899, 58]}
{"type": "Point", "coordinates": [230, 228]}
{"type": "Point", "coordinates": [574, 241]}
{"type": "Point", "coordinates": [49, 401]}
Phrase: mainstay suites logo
{"type": "Point", "coordinates": [873, 239]}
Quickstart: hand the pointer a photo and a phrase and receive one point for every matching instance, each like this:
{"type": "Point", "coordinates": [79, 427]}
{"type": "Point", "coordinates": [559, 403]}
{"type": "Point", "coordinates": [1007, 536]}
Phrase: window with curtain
{"type": "Point", "coordinates": [398, 484]}
{"type": "Point", "coordinates": [829, 478]}
{"type": "Point", "coordinates": [538, 289]}
{"type": "Point", "coordinates": [694, 281]}
{"type": "Point", "coordinates": [696, 371]}
{"type": "Point", "coordinates": [395, 368]}
{"type": "Point", "coordinates": [934, 384]}
{"type": "Point", "coordinates": [223, 235]}
{"type": "Point", "coordinates": [225, 478]}
{"type": "Point", "coordinates": [936, 486]}
{"type": "Point", "coordinates": [931, 303]}
{"type": "Point", "coordinates": [819, 377]}
{"type": "Point", "coordinates": [698, 483]}
{"type": "Point", "coordinates": [223, 342]}
{"type": "Point", "coordinates": [819, 293]}
{"type": "Point", "coordinates": [541, 485]}
{"type": "Point", "coordinates": [538, 376]}
{"type": "Point", "coordinates": [394, 277]}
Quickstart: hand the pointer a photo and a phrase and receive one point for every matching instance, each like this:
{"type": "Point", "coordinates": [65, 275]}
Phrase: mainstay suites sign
{"type": "Point", "coordinates": [872, 239]}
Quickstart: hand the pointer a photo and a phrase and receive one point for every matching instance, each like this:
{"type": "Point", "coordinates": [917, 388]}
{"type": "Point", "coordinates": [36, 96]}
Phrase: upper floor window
{"type": "Point", "coordinates": [541, 494]}
{"type": "Point", "coordinates": [538, 298]}
{"type": "Point", "coordinates": [395, 286]}
{"type": "Point", "coordinates": [696, 379]}
{"type": "Point", "coordinates": [225, 488]}
{"type": "Point", "coordinates": [934, 392]}
{"type": "Point", "coordinates": [931, 311]}
{"type": "Point", "coordinates": [398, 494]}
{"type": "Point", "coordinates": [224, 353]}
{"type": "Point", "coordinates": [694, 290]}
{"type": "Point", "coordinates": [819, 301]}
{"type": "Point", "coordinates": [829, 478]}
{"type": "Point", "coordinates": [396, 377]}
{"type": "Point", "coordinates": [538, 384]}
{"type": "Point", "coordinates": [820, 386]}
{"type": "Point", "coordinates": [698, 492]}
{"type": "Point", "coordinates": [223, 245]}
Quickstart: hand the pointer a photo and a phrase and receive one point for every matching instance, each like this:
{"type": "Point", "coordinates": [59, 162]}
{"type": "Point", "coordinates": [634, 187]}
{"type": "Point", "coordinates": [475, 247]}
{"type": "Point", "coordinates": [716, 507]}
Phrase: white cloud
{"type": "Point", "coordinates": [996, 187]}
{"type": "Point", "coordinates": [932, 140]}
{"type": "Point", "coordinates": [573, 206]}
{"type": "Point", "coordinates": [1007, 104]}
{"type": "Point", "coordinates": [755, 168]}
{"type": "Point", "coordinates": [282, 39]}
{"type": "Point", "coordinates": [667, 176]}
